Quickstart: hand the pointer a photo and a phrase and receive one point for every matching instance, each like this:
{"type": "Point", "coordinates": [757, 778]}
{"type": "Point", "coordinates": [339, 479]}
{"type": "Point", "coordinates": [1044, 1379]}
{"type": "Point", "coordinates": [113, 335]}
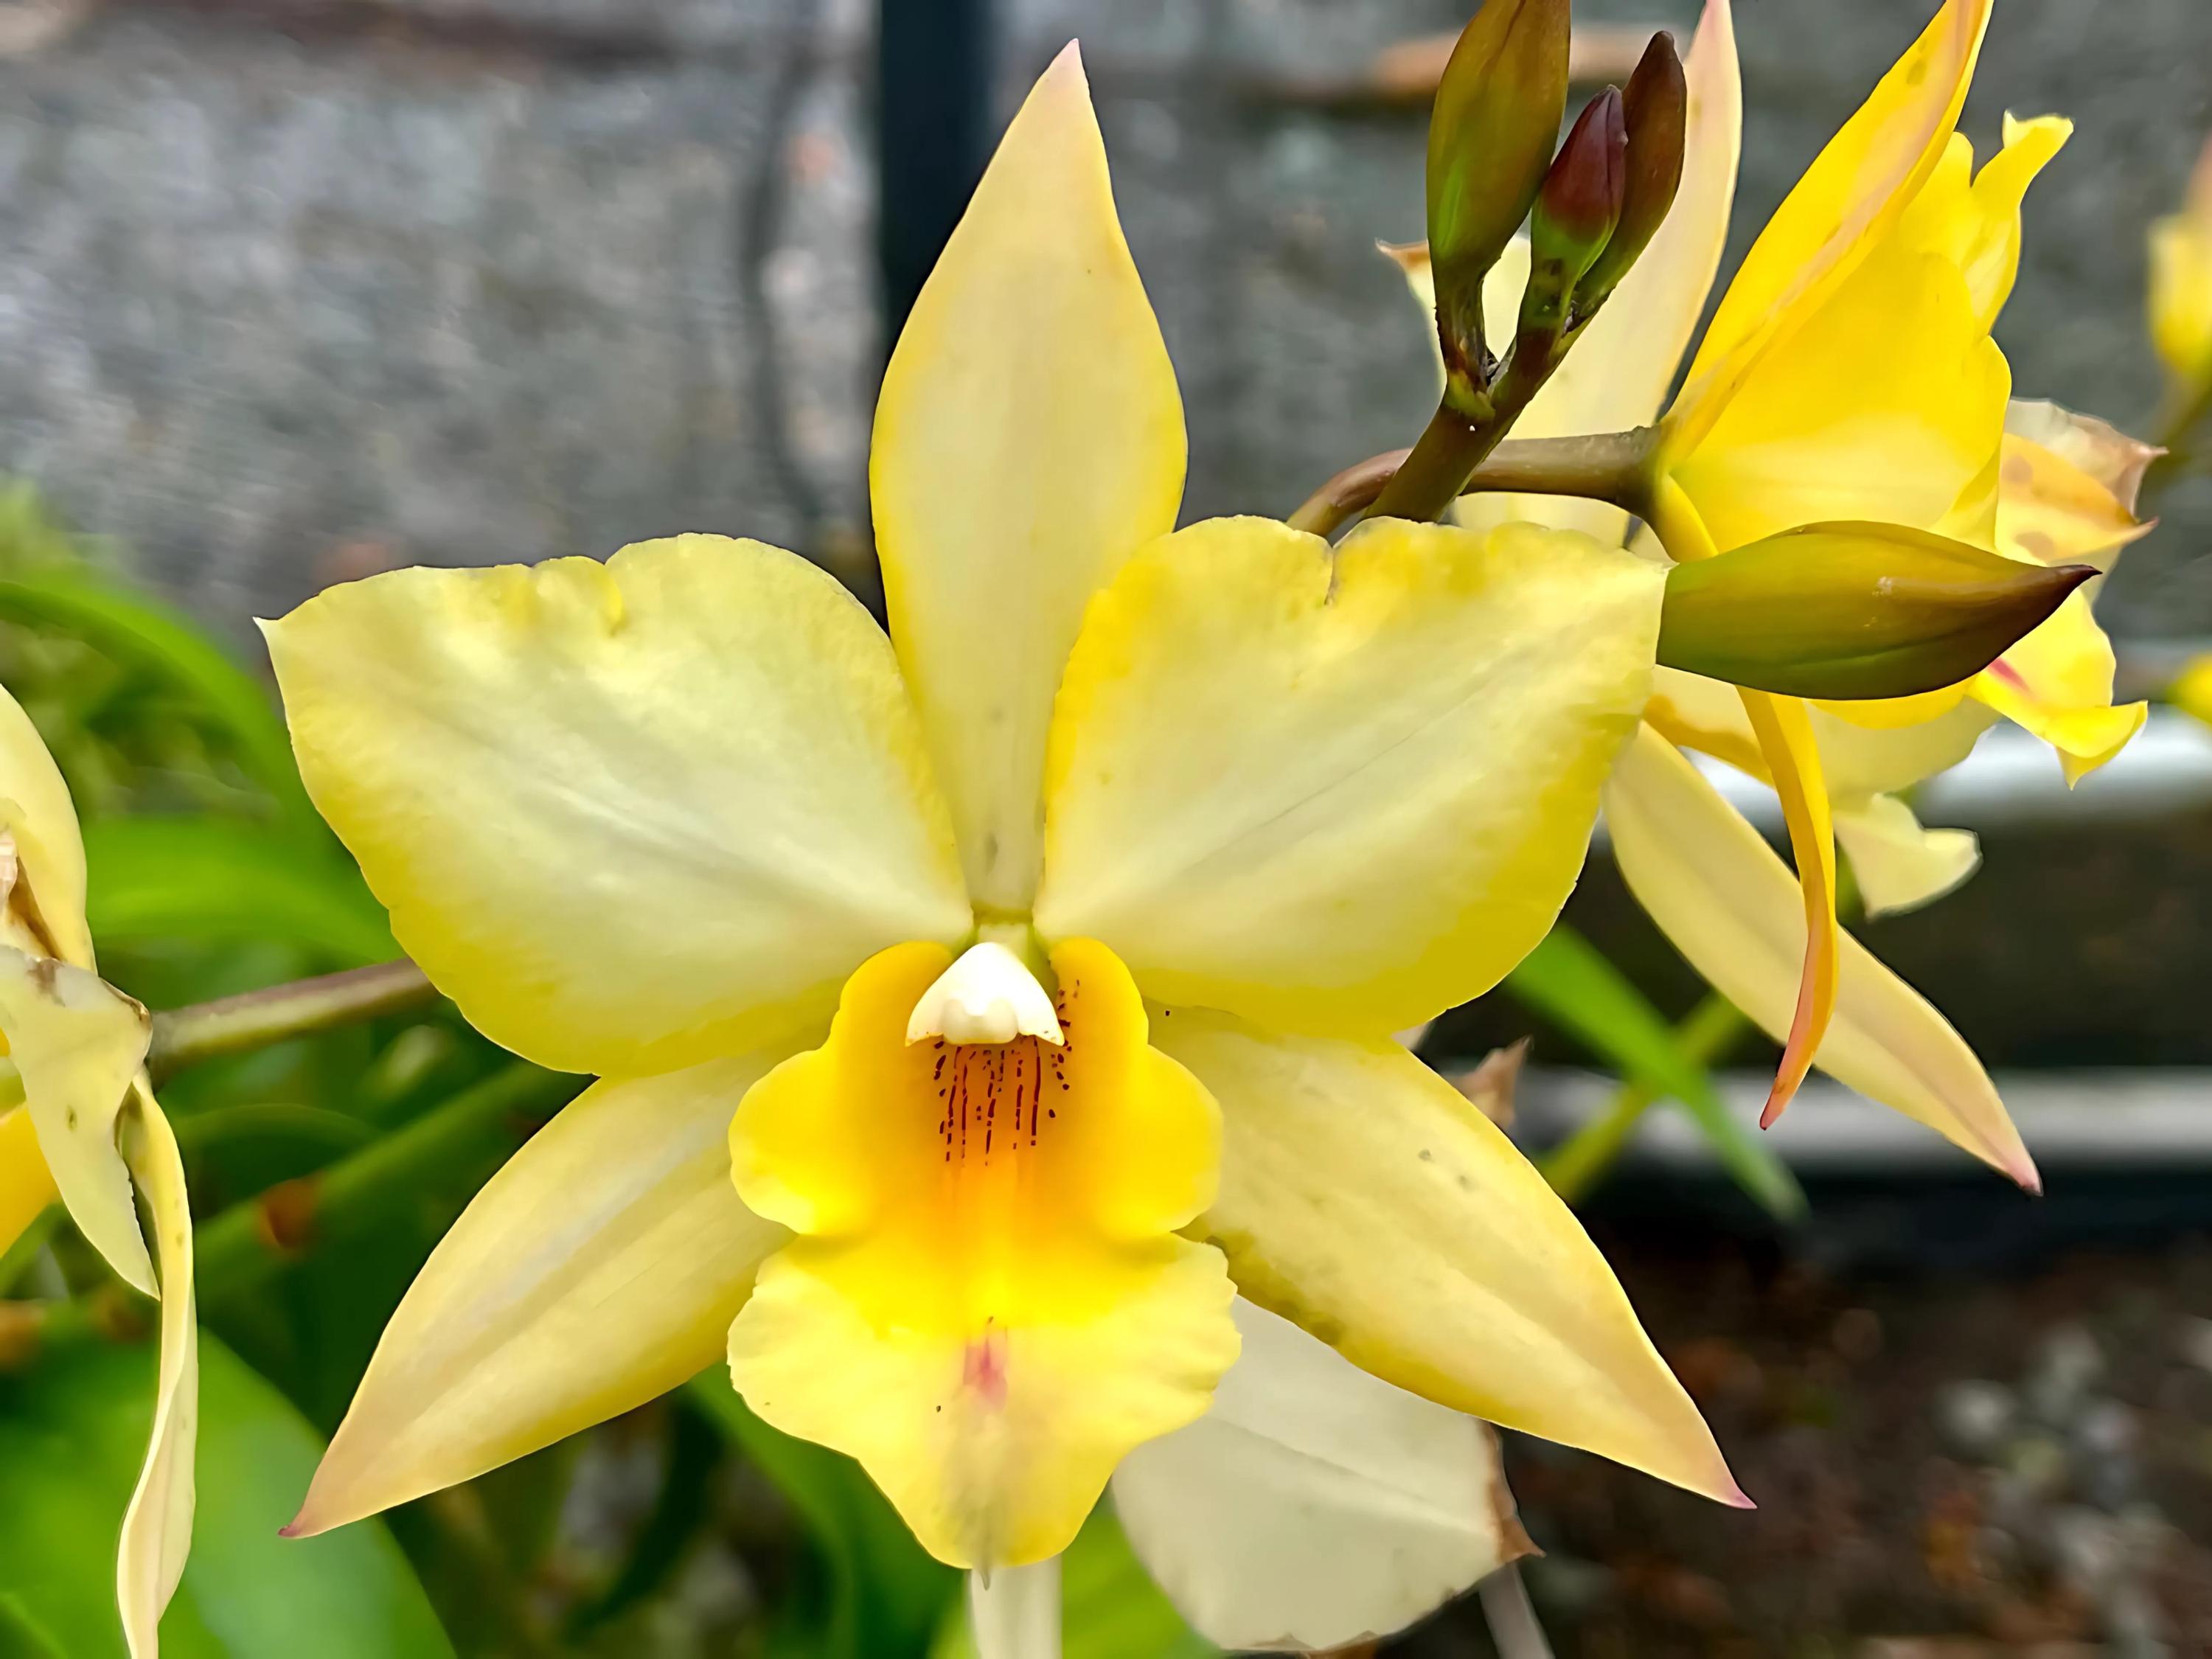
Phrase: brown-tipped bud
{"type": "Point", "coordinates": [1580, 203]}
{"type": "Point", "coordinates": [1657, 106]}
{"type": "Point", "coordinates": [1497, 116]}
{"type": "Point", "coordinates": [1848, 611]}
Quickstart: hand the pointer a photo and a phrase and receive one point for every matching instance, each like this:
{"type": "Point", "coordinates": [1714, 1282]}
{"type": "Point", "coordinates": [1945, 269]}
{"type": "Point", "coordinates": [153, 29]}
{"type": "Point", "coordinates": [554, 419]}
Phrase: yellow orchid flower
{"type": "Point", "coordinates": [79, 1125]}
{"type": "Point", "coordinates": [2181, 288]}
{"type": "Point", "coordinates": [976, 1010]}
{"type": "Point", "coordinates": [1848, 375]}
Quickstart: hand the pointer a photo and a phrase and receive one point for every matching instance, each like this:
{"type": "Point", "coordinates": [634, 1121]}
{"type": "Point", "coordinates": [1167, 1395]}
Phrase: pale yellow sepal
{"type": "Point", "coordinates": [1897, 862]}
{"type": "Point", "coordinates": [26, 1186]}
{"type": "Point", "coordinates": [2098, 449]}
{"type": "Point", "coordinates": [1029, 437]}
{"type": "Point", "coordinates": [600, 1268]}
{"type": "Point", "coordinates": [1315, 1506]}
{"type": "Point", "coordinates": [628, 815]}
{"type": "Point", "coordinates": [40, 819]}
{"type": "Point", "coordinates": [157, 1526]}
{"type": "Point", "coordinates": [987, 1304]}
{"type": "Point", "coordinates": [1366, 1199]}
{"type": "Point", "coordinates": [78, 1042]}
{"type": "Point", "coordinates": [2058, 683]}
{"type": "Point", "coordinates": [1732, 908]}
{"type": "Point", "coordinates": [1339, 791]}
{"type": "Point", "coordinates": [1854, 192]}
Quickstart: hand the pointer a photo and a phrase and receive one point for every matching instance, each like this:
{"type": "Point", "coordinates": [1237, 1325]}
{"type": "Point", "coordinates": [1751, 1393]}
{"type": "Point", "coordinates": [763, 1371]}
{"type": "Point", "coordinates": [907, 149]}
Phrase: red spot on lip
{"type": "Point", "coordinates": [983, 1368]}
{"type": "Point", "coordinates": [2011, 676]}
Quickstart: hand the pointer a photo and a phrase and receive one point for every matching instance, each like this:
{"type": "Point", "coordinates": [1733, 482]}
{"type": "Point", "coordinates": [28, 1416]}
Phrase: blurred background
{"type": "Point", "coordinates": [295, 290]}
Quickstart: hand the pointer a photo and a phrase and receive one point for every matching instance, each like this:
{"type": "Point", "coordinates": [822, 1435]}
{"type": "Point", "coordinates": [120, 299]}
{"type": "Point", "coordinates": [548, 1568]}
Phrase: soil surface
{"type": "Point", "coordinates": [1948, 1463]}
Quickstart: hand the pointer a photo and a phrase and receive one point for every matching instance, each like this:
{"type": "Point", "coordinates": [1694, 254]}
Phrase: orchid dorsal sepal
{"type": "Point", "coordinates": [988, 995]}
{"type": "Point", "coordinates": [1496, 118]}
{"type": "Point", "coordinates": [1849, 611]}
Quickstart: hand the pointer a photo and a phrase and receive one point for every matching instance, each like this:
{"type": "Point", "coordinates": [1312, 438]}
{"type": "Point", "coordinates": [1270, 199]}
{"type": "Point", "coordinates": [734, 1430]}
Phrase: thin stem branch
{"type": "Point", "coordinates": [1577, 1164]}
{"type": "Point", "coordinates": [1512, 1620]}
{"type": "Point", "coordinates": [232, 1025]}
{"type": "Point", "coordinates": [1606, 467]}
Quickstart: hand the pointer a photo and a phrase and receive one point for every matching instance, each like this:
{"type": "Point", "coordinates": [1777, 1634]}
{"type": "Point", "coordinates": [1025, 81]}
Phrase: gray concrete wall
{"type": "Point", "coordinates": [292, 287]}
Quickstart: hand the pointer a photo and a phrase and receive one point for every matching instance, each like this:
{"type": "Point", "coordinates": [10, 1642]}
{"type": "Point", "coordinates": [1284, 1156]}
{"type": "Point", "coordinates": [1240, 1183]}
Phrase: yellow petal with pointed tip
{"type": "Point", "coordinates": [1853, 194]}
{"type": "Point", "coordinates": [1898, 863]}
{"type": "Point", "coordinates": [2097, 447]}
{"type": "Point", "coordinates": [1814, 436]}
{"type": "Point", "coordinates": [26, 1186]}
{"type": "Point", "coordinates": [1339, 791]}
{"type": "Point", "coordinates": [2058, 683]}
{"type": "Point", "coordinates": [629, 816]}
{"type": "Point", "coordinates": [78, 1042]}
{"type": "Point", "coordinates": [1029, 437]}
{"type": "Point", "coordinates": [2049, 511]}
{"type": "Point", "coordinates": [157, 1527]}
{"type": "Point", "coordinates": [1732, 908]}
{"type": "Point", "coordinates": [1972, 220]}
{"type": "Point", "coordinates": [1314, 1506]}
{"type": "Point", "coordinates": [1783, 727]}
{"type": "Point", "coordinates": [1368, 1200]}
{"type": "Point", "coordinates": [987, 1304]}
{"type": "Point", "coordinates": [599, 1269]}
{"type": "Point", "coordinates": [36, 810]}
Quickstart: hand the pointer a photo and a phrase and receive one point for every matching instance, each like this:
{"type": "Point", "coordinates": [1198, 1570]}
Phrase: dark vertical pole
{"type": "Point", "coordinates": [933, 106]}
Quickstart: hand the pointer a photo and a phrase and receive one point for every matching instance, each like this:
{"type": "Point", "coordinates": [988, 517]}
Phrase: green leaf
{"type": "Point", "coordinates": [150, 635]}
{"type": "Point", "coordinates": [1110, 1609]}
{"type": "Point", "coordinates": [72, 1430]}
{"type": "Point", "coordinates": [1567, 980]}
{"type": "Point", "coordinates": [881, 1595]}
{"type": "Point", "coordinates": [223, 880]}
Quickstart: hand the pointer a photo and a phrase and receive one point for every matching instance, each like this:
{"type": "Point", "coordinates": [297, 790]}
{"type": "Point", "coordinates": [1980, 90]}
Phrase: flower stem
{"type": "Point", "coordinates": [1606, 467]}
{"type": "Point", "coordinates": [232, 1025]}
{"type": "Point", "coordinates": [1512, 1620]}
{"type": "Point", "coordinates": [1015, 1612]}
{"type": "Point", "coordinates": [1578, 1163]}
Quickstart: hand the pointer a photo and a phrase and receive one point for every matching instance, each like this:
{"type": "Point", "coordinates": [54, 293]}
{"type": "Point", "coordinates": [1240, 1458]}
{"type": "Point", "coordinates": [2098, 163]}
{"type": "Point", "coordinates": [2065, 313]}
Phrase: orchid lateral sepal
{"type": "Point", "coordinates": [1850, 611]}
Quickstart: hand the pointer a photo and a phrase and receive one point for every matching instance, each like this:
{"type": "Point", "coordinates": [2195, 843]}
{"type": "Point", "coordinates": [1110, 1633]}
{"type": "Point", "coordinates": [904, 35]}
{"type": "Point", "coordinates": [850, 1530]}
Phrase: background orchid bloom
{"type": "Point", "coordinates": [1849, 374]}
{"type": "Point", "coordinates": [2181, 288]}
{"type": "Point", "coordinates": [1028, 974]}
{"type": "Point", "coordinates": [80, 1123]}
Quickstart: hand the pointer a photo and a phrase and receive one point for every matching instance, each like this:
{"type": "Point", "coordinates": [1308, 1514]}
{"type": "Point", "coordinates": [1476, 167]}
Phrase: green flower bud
{"type": "Point", "coordinates": [1854, 611]}
{"type": "Point", "coordinates": [1497, 116]}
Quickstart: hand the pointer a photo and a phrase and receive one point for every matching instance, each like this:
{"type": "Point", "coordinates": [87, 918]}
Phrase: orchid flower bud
{"type": "Point", "coordinates": [1847, 611]}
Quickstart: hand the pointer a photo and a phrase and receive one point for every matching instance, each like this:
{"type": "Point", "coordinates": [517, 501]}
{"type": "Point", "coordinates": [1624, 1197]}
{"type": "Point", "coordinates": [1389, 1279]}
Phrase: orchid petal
{"type": "Point", "coordinates": [1339, 790]}
{"type": "Point", "coordinates": [1852, 195]}
{"type": "Point", "coordinates": [1898, 863]}
{"type": "Point", "coordinates": [157, 1527]}
{"type": "Point", "coordinates": [1784, 729]}
{"type": "Point", "coordinates": [629, 816]}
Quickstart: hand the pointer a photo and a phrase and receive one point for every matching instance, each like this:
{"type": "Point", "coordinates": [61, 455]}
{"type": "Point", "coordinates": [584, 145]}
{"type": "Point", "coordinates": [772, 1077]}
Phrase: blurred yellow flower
{"type": "Point", "coordinates": [2181, 288]}
{"type": "Point", "coordinates": [1848, 375]}
{"type": "Point", "coordinates": [79, 1121]}
{"type": "Point", "coordinates": [1109, 873]}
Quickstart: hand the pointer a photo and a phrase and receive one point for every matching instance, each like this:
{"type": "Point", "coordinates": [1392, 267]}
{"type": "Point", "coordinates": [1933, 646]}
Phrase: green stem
{"type": "Point", "coordinates": [234, 1025]}
{"type": "Point", "coordinates": [2183, 415]}
{"type": "Point", "coordinates": [249, 1243]}
{"type": "Point", "coordinates": [1576, 1165]}
{"type": "Point", "coordinates": [1439, 466]}
{"type": "Point", "coordinates": [1606, 467]}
